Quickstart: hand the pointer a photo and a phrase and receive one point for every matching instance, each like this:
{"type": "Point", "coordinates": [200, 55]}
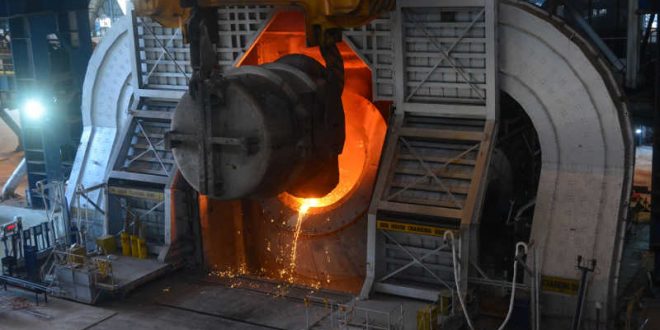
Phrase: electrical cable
{"type": "Point", "coordinates": [458, 287]}
{"type": "Point", "coordinates": [519, 245]}
{"type": "Point", "coordinates": [513, 282]}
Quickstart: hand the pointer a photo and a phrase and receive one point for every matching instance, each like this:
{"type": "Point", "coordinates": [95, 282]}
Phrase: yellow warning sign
{"type": "Point", "coordinates": [566, 286]}
{"type": "Point", "coordinates": [137, 193]}
{"type": "Point", "coordinates": [410, 228]}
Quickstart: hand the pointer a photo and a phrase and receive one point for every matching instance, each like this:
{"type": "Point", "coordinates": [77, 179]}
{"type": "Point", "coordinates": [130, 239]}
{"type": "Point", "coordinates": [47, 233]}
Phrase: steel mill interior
{"type": "Point", "coordinates": [329, 164]}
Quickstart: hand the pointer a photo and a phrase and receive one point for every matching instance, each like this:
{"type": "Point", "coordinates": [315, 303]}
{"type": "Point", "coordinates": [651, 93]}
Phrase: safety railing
{"type": "Point", "coordinates": [350, 316]}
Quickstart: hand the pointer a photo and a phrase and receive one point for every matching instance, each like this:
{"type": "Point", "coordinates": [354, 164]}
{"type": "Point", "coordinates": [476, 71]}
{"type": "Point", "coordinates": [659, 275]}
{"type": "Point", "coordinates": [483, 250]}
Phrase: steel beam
{"type": "Point", "coordinates": [14, 180]}
{"type": "Point", "coordinates": [632, 45]}
{"type": "Point", "coordinates": [9, 121]}
{"type": "Point", "coordinates": [655, 178]}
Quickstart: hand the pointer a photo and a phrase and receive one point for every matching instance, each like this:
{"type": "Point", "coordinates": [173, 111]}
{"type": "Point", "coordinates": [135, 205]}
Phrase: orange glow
{"type": "Point", "coordinates": [351, 161]}
{"type": "Point", "coordinates": [308, 203]}
{"type": "Point", "coordinates": [352, 165]}
{"type": "Point", "coordinates": [285, 35]}
{"type": "Point", "coordinates": [313, 242]}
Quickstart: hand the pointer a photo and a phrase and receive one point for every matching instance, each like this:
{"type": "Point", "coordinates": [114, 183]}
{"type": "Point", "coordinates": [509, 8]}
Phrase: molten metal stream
{"type": "Point", "coordinates": [304, 207]}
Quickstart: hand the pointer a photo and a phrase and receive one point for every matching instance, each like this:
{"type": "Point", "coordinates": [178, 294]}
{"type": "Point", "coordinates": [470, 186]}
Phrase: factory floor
{"type": "Point", "coordinates": [188, 300]}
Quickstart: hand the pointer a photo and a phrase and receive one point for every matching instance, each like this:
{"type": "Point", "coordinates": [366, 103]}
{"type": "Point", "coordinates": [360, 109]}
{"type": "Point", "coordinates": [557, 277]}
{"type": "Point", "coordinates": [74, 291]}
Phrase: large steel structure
{"type": "Point", "coordinates": [441, 64]}
{"type": "Point", "coordinates": [50, 45]}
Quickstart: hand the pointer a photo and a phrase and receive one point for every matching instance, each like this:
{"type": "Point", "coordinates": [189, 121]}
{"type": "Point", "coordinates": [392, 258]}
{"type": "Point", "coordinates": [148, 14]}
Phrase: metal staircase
{"type": "Point", "coordinates": [433, 170]}
{"type": "Point", "coordinates": [432, 167]}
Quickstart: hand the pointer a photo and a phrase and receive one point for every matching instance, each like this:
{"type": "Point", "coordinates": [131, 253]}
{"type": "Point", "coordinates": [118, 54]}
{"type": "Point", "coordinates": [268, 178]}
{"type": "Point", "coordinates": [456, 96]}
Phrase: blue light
{"type": "Point", "coordinates": [34, 109]}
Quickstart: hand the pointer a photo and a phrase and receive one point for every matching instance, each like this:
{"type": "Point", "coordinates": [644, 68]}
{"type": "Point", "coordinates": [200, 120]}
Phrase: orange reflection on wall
{"type": "Point", "coordinates": [351, 161]}
{"type": "Point", "coordinates": [329, 242]}
{"type": "Point", "coordinates": [286, 35]}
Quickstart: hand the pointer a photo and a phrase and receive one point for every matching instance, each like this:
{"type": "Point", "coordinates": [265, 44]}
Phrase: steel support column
{"type": "Point", "coordinates": [655, 193]}
{"type": "Point", "coordinates": [633, 45]}
{"type": "Point", "coordinates": [50, 45]}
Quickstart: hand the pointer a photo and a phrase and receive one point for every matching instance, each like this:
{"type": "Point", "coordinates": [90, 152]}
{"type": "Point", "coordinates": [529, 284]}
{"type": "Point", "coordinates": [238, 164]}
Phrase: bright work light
{"type": "Point", "coordinates": [34, 109]}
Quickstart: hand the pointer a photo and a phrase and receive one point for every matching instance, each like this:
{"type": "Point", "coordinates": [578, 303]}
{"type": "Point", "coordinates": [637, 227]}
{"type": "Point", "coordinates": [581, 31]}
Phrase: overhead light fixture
{"type": "Point", "coordinates": [638, 131]}
{"type": "Point", "coordinates": [34, 109]}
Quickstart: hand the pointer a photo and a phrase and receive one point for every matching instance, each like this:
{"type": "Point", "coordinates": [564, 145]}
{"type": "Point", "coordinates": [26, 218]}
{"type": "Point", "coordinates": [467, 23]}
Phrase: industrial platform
{"type": "Point", "coordinates": [129, 272]}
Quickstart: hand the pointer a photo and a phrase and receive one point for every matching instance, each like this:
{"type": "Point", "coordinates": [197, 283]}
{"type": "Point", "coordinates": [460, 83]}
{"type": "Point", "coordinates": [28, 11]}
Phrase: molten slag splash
{"type": "Point", "coordinates": [305, 205]}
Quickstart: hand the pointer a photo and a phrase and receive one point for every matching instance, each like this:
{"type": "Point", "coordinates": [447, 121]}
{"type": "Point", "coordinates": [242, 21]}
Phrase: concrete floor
{"type": "Point", "coordinates": [18, 310]}
{"type": "Point", "coordinates": [188, 300]}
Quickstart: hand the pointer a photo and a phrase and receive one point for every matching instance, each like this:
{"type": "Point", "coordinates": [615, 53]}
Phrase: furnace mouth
{"type": "Point", "coordinates": [352, 164]}
{"type": "Point", "coordinates": [324, 246]}
{"type": "Point", "coordinates": [358, 164]}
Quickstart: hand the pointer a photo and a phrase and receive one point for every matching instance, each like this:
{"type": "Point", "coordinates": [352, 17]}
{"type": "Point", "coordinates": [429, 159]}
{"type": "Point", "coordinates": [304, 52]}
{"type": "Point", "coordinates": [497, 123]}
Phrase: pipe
{"type": "Point", "coordinates": [9, 121]}
{"type": "Point", "coordinates": [633, 46]}
{"type": "Point", "coordinates": [537, 281]}
{"type": "Point", "coordinates": [654, 239]}
{"type": "Point", "coordinates": [524, 208]}
{"type": "Point", "coordinates": [594, 37]}
{"type": "Point", "coordinates": [450, 235]}
{"type": "Point", "coordinates": [14, 180]}
{"type": "Point", "coordinates": [647, 36]}
{"type": "Point", "coordinates": [520, 211]}
{"type": "Point", "coordinates": [458, 286]}
{"type": "Point", "coordinates": [599, 307]}
{"type": "Point", "coordinates": [587, 268]}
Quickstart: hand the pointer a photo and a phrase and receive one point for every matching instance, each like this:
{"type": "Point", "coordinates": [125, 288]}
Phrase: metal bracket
{"type": "Point", "coordinates": [173, 140]}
